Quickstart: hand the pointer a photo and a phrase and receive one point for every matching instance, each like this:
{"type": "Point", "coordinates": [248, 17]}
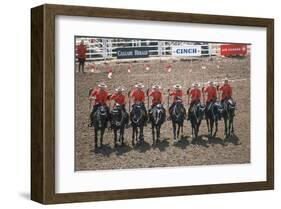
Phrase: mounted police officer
{"type": "Point", "coordinates": [211, 92]}
{"type": "Point", "coordinates": [195, 95]}
{"type": "Point", "coordinates": [138, 96]}
{"type": "Point", "coordinates": [100, 97]}
{"type": "Point", "coordinates": [119, 98]}
{"type": "Point", "coordinates": [225, 91]}
{"type": "Point", "coordinates": [157, 97]}
{"type": "Point", "coordinates": [177, 94]}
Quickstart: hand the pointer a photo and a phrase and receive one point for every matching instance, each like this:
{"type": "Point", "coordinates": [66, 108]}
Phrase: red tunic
{"type": "Point", "coordinates": [101, 96]}
{"type": "Point", "coordinates": [118, 98]}
{"type": "Point", "coordinates": [138, 95]}
{"type": "Point", "coordinates": [81, 51]}
{"type": "Point", "coordinates": [195, 94]}
{"type": "Point", "coordinates": [211, 93]}
{"type": "Point", "coordinates": [226, 91]}
{"type": "Point", "coordinates": [176, 93]}
{"type": "Point", "coordinates": [156, 96]}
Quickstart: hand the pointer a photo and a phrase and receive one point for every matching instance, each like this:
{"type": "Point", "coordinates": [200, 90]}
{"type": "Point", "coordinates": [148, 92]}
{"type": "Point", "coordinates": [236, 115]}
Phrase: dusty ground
{"type": "Point", "coordinates": [184, 153]}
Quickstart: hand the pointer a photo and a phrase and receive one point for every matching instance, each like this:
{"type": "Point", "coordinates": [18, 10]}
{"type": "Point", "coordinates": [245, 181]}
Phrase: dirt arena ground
{"type": "Point", "coordinates": [165, 154]}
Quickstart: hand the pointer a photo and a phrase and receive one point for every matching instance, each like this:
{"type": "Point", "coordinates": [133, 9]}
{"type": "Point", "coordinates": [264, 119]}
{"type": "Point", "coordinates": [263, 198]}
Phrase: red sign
{"type": "Point", "coordinates": [233, 49]}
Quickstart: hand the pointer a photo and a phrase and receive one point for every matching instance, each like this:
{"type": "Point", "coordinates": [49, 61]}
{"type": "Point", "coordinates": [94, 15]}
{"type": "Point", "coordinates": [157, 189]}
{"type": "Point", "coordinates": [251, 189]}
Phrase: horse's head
{"type": "Point", "coordinates": [178, 112]}
{"type": "Point", "coordinates": [200, 110]}
{"type": "Point", "coordinates": [178, 99]}
{"type": "Point", "coordinates": [136, 113]}
{"type": "Point", "coordinates": [102, 113]}
{"type": "Point", "coordinates": [159, 106]}
{"type": "Point", "coordinates": [116, 115]}
{"type": "Point", "coordinates": [101, 116]}
{"type": "Point", "coordinates": [158, 114]}
{"type": "Point", "coordinates": [230, 106]}
{"type": "Point", "coordinates": [231, 103]}
{"type": "Point", "coordinates": [118, 106]}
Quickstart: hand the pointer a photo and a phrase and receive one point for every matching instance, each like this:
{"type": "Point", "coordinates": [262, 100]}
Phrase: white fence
{"type": "Point", "coordinates": [105, 48]}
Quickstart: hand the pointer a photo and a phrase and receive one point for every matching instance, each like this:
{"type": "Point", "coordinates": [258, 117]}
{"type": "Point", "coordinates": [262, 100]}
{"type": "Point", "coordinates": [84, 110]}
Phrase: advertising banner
{"type": "Point", "coordinates": [133, 52]}
{"type": "Point", "coordinates": [233, 49]}
{"type": "Point", "coordinates": [186, 51]}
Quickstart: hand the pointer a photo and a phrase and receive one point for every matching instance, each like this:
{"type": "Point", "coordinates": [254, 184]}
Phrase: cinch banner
{"type": "Point", "coordinates": [233, 49]}
{"type": "Point", "coordinates": [134, 52]}
{"type": "Point", "coordinates": [186, 51]}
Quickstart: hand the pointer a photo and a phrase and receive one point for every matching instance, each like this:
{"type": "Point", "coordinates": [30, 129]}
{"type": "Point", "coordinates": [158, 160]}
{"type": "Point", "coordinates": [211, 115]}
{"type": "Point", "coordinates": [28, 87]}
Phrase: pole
{"type": "Point", "coordinates": [90, 107]}
{"type": "Point", "coordinates": [168, 98]}
{"type": "Point", "coordinates": [187, 93]}
{"type": "Point", "coordinates": [109, 101]}
{"type": "Point", "coordinates": [129, 98]}
{"type": "Point", "coordinates": [147, 94]}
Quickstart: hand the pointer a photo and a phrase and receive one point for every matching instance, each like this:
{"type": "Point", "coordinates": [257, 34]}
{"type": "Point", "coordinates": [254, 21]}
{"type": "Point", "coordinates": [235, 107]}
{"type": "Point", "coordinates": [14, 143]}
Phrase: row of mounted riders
{"type": "Point", "coordinates": [138, 117]}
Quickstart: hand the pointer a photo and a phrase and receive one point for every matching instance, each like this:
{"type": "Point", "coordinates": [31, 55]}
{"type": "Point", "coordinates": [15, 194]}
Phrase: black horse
{"type": "Point", "coordinates": [196, 115]}
{"type": "Point", "coordinates": [138, 119]}
{"type": "Point", "coordinates": [119, 119]}
{"type": "Point", "coordinates": [212, 114]}
{"type": "Point", "coordinates": [157, 117]}
{"type": "Point", "coordinates": [99, 120]}
{"type": "Point", "coordinates": [228, 114]}
{"type": "Point", "coordinates": [178, 114]}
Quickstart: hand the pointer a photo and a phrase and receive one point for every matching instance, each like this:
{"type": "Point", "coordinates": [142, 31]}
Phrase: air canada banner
{"type": "Point", "coordinates": [233, 49]}
{"type": "Point", "coordinates": [134, 52]}
{"type": "Point", "coordinates": [186, 51]}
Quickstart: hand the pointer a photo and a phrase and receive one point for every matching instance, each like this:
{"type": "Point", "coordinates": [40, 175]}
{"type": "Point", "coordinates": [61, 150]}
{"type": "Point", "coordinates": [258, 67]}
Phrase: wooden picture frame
{"type": "Point", "coordinates": [43, 103]}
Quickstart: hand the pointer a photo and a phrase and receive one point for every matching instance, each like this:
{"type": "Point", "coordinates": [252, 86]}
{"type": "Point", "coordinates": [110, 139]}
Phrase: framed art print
{"type": "Point", "coordinates": [135, 104]}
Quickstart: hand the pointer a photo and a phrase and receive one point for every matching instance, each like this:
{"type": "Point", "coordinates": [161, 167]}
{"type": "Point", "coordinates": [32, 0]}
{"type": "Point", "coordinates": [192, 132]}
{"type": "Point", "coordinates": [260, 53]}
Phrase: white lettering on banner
{"type": "Point", "coordinates": [186, 51]}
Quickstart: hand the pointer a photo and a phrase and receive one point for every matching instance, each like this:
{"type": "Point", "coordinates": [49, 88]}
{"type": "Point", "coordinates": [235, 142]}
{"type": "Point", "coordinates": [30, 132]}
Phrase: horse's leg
{"type": "Point", "coordinates": [141, 133]}
{"type": "Point", "coordinates": [178, 132]}
{"type": "Point", "coordinates": [193, 132]}
{"type": "Point", "coordinates": [115, 137]}
{"type": "Point", "coordinates": [101, 135]}
{"type": "Point", "coordinates": [174, 130]}
{"type": "Point", "coordinates": [96, 138]}
{"type": "Point", "coordinates": [137, 133]}
{"type": "Point", "coordinates": [122, 130]}
{"type": "Point", "coordinates": [229, 126]}
{"type": "Point", "coordinates": [153, 133]}
{"type": "Point", "coordinates": [196, 131]}
{"type": "Point", "coordinates": [225, 126]}
{"type": "Point", "coordinates": [119, 137]}
{"type": "Point", "coordinates": [208, 125]}
{"type": "Point", "coordinates": [198, 126]}
{"type": "Point", "coordinates": [232, 128]}
{"type": "Point", "coordinates": [133, 136]}
{"type": "Point", "coordinates": [211, 129]}
{"type": "Point", "coordinates": [158, 133]}
{"type": "Point", "coordinates": [216, 128]}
